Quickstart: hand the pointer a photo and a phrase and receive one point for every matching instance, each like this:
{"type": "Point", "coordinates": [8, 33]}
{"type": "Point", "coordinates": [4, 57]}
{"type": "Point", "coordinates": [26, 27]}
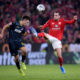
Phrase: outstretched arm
{"type": "Point", "coordinates": [5, 28]}
{"type": "Point", "coordinates": [71, 21]}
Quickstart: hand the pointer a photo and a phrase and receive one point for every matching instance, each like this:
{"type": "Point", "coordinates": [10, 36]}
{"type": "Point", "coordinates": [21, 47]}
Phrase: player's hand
{"type": "Point", "coordinates": [75, 17]}
{"type": "Point", "coordinates": [1, 36]}
{"type": "Point", "coordinates": [10, 23]}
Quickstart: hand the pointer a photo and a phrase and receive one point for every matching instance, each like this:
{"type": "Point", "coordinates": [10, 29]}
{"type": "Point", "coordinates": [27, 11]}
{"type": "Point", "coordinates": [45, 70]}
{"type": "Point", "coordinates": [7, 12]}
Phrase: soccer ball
{"type": "Point", "coordinates": [40, 7]}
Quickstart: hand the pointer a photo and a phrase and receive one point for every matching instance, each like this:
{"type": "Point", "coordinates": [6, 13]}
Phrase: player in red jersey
{"type": "Point", "coordinates": [56, 27]}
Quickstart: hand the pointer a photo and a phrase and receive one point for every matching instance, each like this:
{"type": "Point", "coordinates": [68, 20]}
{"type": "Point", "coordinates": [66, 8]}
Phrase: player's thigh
{"type": "Point", "coordinates": [23, 49]}
{"type": "Point", "coordinates": [56, 44]}
{"type": "Point", "coordinates": [49, 37]}
{"type": "Point", "coordinates": [13, 49]}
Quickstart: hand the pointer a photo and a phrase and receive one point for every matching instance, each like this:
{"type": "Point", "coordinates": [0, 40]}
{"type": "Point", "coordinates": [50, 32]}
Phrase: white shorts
{"type": "Point", "coordinates": [54, 41]}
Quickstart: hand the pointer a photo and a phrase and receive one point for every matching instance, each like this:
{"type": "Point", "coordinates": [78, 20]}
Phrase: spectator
{"type": "Point", "coordinates": [13, 10]}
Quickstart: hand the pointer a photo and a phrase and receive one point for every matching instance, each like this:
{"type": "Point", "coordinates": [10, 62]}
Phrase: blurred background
{"type": "Point", "coordinates": [39, 51]}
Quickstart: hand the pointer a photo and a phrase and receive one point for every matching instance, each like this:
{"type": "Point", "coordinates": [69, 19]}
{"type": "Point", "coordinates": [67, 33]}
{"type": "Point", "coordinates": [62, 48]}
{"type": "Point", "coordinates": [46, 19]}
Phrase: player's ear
{"type": "Point", "coordinates": [59, 16]}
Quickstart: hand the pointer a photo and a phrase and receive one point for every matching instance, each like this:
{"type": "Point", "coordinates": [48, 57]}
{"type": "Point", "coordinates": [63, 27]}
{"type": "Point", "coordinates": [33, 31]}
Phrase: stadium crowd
{"type": "Point", "coordinates": [13, 10]}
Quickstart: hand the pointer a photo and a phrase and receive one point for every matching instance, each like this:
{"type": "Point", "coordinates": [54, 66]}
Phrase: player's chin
{"type": "Point", "coordinates": [24, 25]}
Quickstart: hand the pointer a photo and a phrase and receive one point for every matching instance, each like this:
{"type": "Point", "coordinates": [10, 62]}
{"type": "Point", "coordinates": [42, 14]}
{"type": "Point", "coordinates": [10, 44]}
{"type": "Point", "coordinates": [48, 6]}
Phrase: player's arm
{"type": "Point", "coordinates": [71, 21]}
{"type": "Point", "coordinates": [5, 28]}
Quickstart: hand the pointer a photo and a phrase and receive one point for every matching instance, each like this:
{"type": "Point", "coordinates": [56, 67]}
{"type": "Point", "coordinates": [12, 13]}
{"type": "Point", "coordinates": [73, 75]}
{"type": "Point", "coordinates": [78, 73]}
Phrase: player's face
{"type": "Point", "coordinates": [26, 22]}
{"type": "Point", "coordinates": [56, 16]}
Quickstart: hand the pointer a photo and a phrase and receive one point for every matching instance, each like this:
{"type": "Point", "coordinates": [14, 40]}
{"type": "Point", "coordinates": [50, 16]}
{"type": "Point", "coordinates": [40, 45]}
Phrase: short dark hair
{"type": "Point", "coordinates": [26, 17]}
{"type": "Point", "coordinates": [57, 12]}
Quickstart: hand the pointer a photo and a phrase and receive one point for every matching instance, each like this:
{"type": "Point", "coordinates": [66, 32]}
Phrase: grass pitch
{"type": "Point", "coordinates": [44, 72]}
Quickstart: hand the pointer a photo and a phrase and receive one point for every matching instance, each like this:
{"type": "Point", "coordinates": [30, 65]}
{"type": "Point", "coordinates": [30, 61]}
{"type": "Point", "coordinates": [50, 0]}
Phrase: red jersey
{"type": "Point", "coordinates": [56, 28]}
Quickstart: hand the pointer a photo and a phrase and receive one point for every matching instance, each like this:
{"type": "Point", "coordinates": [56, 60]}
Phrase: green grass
{"type": "Point", "coordinates": [46, 72]}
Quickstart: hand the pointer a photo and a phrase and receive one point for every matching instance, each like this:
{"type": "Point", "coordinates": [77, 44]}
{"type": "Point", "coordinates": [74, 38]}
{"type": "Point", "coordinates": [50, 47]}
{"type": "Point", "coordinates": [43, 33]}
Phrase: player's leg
{"type": "Point", "coordinates": [56, 44]}
{"type": "Point", "coordinates": [18, 65]}
{"type": "Point", "coordinates": [60, 59]}
{"type": "Point", "coordinates": [14, 53]}
{"type": "Point", "coordinates": [23, 49]}
{"type": "Point", "coordinates": [33, 30]}
{"type": "Point", "coordinates": [17, 61]}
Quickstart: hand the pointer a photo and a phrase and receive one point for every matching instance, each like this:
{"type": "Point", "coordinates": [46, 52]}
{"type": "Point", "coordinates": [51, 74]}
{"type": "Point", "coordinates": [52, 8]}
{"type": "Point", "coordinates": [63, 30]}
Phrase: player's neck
{"type": "Point", "coordinates": [56, 20]}
{"type": "Point", "coordinates": [21, 24]}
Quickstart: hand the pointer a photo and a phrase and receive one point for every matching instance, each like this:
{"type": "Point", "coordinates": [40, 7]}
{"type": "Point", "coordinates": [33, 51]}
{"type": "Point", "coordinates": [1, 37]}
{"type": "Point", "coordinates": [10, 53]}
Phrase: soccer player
{"type": "Point", "coordinates": [56, 27]}
{"type": "Point", "coordinates": [16, 31]}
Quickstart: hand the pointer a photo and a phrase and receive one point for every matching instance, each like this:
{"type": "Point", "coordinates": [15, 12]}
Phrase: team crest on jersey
{"type": "Point", "coordinates": [56, 25]}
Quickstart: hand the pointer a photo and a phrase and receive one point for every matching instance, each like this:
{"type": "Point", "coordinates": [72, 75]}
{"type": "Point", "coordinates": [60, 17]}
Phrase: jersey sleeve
{"type": "Point", "coordinates": [69, 21]}
{"type": "Point", "coordinates": [45, 25]}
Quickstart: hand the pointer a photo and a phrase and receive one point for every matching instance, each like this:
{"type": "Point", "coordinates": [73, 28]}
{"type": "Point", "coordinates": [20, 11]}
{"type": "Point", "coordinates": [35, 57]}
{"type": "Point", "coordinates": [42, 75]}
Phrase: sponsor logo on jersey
{"type": "Point", "coordinates": [56, 28]}
{"type": "Point", "coordinates": [17, 30]}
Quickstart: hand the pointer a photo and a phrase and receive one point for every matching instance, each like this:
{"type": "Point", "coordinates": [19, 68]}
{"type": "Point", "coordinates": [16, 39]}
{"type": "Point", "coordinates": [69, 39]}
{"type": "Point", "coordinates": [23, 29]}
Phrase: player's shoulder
{"type": "Point", "coordinates": [61, 19]}
{"type": "Point", "coordinates": [50, 20]}
{"type": "Point", "coordinates": [15, 24]}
